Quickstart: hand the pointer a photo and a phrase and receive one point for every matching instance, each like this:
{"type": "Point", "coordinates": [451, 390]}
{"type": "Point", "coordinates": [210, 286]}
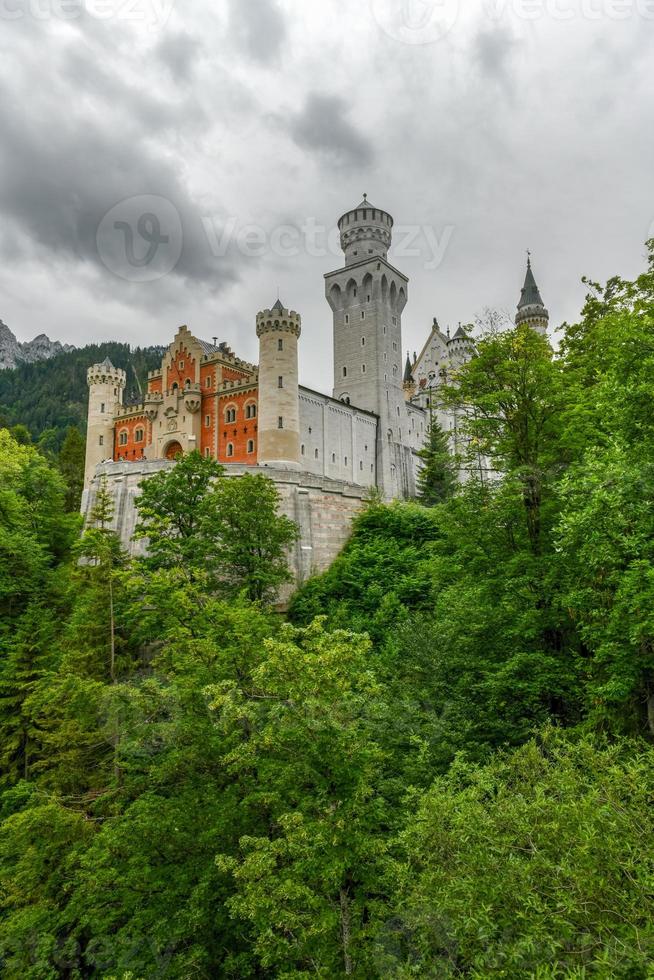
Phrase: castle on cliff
{"type": "Point", "coordinates": [325, 452]}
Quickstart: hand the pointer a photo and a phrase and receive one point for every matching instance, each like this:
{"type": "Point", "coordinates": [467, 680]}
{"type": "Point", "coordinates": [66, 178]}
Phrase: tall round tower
{"type": "Point", "coordinates": [278, 331]}
{"type": "Point", "coordinates": [106, 385]}
{"type": "Point", "coordinates": [531, 309]}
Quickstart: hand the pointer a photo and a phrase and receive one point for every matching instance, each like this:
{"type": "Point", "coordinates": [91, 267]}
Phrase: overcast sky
{"type": "Point", "coordinates": [179, 161]}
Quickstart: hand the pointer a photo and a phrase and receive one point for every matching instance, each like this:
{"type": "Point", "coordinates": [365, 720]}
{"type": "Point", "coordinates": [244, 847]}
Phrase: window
{"type": "Point", "coordinates": [206, 452]}
{"type": "Point", "coordinates": [315, 454]}
{"type": "Point", "coordinates": [181, 365]}
{"type": "Point", "coordinates": [187, 383]}
{"type": "Point", "coordinates": [355, 292]}
{"type": "Point", "coordinates": [138, 435]}
{"type": "Point", "coordinates": [368, 297]}
{"type": "Point", "coordinates": [250, 445]}
{"type": "Point", "coordinates": [363, 314]}
{"type": "Point", "coordinates": [230, 415]}
{"type": "Point", "coordinates": [363, 341]}
{"type": "Point", "coordinates": [280, 344]}
{"type": "Point", "coordinates": [363, 369]}
{"type": "Point", "coordinates": [122, 439]}
{"type": "Point", "coordinates": [102, 407]}
{"type": "Point", "coordinates": [280, 421]}
{"type": "Point", "coordinates": [102, 440]}
{"type": "Point", "coordinates": [346, 460]}
{"type": "Point", "coordinates": [207, 421]}
{"type": "Point", "coordinates": [302, 449]}
{"type": "Point", "coordinates": [175, 386]}
{"type": "Point", "coordinates": [207, 383]}
{"type": "Point", "coordinates": [251, 411]}
{"type": "Point", "coordinates": [333, 457]}
{"type": "Point", "coordinates": [345, 372]}
{"type": "Point", "coordinates": [280, 381]}
{"type": "Point", "coordinates": [347, 317]}
{"type": "Point", "coordinates": [360, 464]}
{"type": "Point", "coordinates": [230, 449]}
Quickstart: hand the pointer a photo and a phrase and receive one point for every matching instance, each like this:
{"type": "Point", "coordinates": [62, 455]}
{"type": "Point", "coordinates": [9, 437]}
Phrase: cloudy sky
{"type": "Point", "coordinates": [179, 161]}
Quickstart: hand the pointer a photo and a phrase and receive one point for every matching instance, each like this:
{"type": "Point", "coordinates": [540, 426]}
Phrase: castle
{"type": "Point", "coordinates": [325, 452]}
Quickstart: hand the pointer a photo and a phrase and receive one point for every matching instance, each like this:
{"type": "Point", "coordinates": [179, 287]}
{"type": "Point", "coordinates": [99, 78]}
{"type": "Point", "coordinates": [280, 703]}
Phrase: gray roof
{"type": "Point", "coordinates": [408, 376]}
{"type": "Point", "coordinates": [461, 334]}
{"type": "Point", "coordinates": [208, 348]}
{"type": "Point", "coordinates": [278, 307]}
{"type": "Point", "coordinates": [107, 365]}
{"type": "Point", "coordinates": [530, 295]}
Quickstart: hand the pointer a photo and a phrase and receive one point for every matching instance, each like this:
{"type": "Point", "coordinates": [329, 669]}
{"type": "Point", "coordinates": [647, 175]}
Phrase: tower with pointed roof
{"type": "Point", "coordinates": [531, 309]}
{"type": "Point", "coordinates": [278, 330]}
{"type": "Point", "coordinates": [106, 386]}
{"type": "Point", "coordinates": [367, 297]}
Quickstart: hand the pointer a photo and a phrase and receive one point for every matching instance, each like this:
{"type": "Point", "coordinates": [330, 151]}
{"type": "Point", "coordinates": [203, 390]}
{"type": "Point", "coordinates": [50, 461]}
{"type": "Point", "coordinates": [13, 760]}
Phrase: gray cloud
{"type": "Point", "coordinates": [179, 53]}
{"type": "Point", "coordinates": [493, 49]}
{"type": "Point", "coordinates": [323, 127]}
{"type": "Point", "coordinates": [258, 27]}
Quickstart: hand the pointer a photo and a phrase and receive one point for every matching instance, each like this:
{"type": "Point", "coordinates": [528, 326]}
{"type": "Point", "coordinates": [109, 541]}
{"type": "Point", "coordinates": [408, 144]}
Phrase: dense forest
{"type": "Point", "coordinates": [49, 397]}
{"type": "Point", "coordinates": [438, 763]}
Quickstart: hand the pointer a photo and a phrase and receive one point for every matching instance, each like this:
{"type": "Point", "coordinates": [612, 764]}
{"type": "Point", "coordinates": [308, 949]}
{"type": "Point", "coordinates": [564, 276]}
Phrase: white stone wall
{"type": "Point", "coordinates": [322, 508]}
{"type": "Point", "coordinates": [337, 440]}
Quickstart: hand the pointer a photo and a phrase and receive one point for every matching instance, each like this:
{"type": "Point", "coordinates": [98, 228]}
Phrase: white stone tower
{"type": "Point", "coordinates": [531, 309]}
{"type": "Point", "coordinates": [278, 331]}
{"type": "Point", "coordinates": [106, 385]}
{"type": "Point", "coordinates": [367, 298]}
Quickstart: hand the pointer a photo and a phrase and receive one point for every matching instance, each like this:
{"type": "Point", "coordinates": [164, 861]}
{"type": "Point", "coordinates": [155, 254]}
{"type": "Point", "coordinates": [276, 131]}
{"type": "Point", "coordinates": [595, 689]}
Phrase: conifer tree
{"type": "Point", "coordinates": [71, 467]}
{"type": "Point", "coordinates": [437, 478]}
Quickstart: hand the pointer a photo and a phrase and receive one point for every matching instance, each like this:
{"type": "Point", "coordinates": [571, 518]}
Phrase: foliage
{"type": "Point", "coordinates": [52, 395]}
{"type": "Point", "coordinates": [537, 865]}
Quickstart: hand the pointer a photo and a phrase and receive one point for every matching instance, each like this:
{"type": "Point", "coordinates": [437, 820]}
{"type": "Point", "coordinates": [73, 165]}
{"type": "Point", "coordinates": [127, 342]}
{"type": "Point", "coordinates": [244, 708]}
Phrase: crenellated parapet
{"type": "Point", "coordinates": [106, 374]}
{"type": "Point", "coordinates": [279, 319]}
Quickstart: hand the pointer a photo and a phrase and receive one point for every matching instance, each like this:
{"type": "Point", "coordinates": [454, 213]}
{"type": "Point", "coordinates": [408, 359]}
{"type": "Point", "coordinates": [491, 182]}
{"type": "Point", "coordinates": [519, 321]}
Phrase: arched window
{"type": "Point", "coordinates": [315, 454]}
{"type": "Point", "coordinates": [230, 414]}
{"type": "Point", "coordinates": [175, 386]}
{"type": "Point", "coordinates": [251, 410]}
{"type": "Point", "coordinates": [138, 435]}
{"type": "Point", "coordinates": [230, 449]}
{"type": "Point", "coordinates": [122, 438]}
{"type": "Point", "coordinates": [302, 449]}
{"type": "Point", "coordinates": [187, 383]}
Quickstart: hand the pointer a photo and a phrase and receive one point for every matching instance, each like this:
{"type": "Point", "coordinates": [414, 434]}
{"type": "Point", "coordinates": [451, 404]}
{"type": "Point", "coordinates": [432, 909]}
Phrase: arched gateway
{"type": "Point", "coordinates": [173, 450]}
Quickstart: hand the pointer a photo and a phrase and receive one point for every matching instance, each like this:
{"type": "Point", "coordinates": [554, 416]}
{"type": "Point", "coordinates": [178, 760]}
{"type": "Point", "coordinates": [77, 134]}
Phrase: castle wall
{"type": "Point", "coordinates": [337, 440]}
{"type": "Point", "coordinates": [323, 509]}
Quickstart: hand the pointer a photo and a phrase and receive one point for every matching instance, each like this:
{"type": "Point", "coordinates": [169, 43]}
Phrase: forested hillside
{"type": "Point", "coordinates": [53, 395]}
{"type": "Point", "coordinates": [439, 764]}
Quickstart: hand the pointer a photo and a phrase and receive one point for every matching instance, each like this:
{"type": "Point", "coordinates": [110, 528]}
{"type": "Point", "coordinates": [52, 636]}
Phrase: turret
{"type": "Point", "coordinates": [408, 382]}
{"type": "Point", "coordinates": [365, 231]}
{"type": "Point", "coordinates": [278, 331]}
{"type": "Point", "coordinates": [460, 347]}
{"type": "Point", "coordinates": [106, 385]}
{"type": "Point", "coordinates": [531, 309]}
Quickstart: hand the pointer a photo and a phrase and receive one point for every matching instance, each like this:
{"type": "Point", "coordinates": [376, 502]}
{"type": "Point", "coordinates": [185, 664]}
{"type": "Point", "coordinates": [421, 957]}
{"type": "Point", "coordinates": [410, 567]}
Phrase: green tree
{"type": "Point", "coordinates": [172, 509]}
{"type": "Point", "coordinates": [437, 479]}
{"type": "Point", "coordinates": [251, 537]}
{"type": "Point", "coordinates": [536, 865]}
{"type": "Point", "coordinates": [309, 885]}
{"type": "Point", "coordinates": [71, 466]}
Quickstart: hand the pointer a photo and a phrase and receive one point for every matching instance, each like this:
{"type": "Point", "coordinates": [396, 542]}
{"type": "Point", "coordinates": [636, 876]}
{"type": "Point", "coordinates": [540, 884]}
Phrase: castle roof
{"type": "Point", "coordinates": [408, 376]}
{"type": "Point", "coordinates": [530, 295]}
{"type": "Point", "coordinates": [278, 307]}
{"type": "Point", "coordinates": [107, 365]}
{"type": "Point", "coordinates": [461, 334]}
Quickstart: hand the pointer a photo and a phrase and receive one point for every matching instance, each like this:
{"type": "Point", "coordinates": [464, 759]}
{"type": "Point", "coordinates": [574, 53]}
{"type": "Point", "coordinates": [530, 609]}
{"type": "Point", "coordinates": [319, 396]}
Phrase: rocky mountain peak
{"type": "Point", "coordinates": [13, 353]}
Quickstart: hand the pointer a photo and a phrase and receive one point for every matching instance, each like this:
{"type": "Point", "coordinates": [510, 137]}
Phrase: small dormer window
{"type": "Point", "coordinates": [181, 365]}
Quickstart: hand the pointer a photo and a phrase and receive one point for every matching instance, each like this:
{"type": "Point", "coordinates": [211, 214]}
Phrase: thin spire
{"type": "Point", "coordinates": [408, 374]}
{"type": "Point", "coordinates": [530, 295]}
